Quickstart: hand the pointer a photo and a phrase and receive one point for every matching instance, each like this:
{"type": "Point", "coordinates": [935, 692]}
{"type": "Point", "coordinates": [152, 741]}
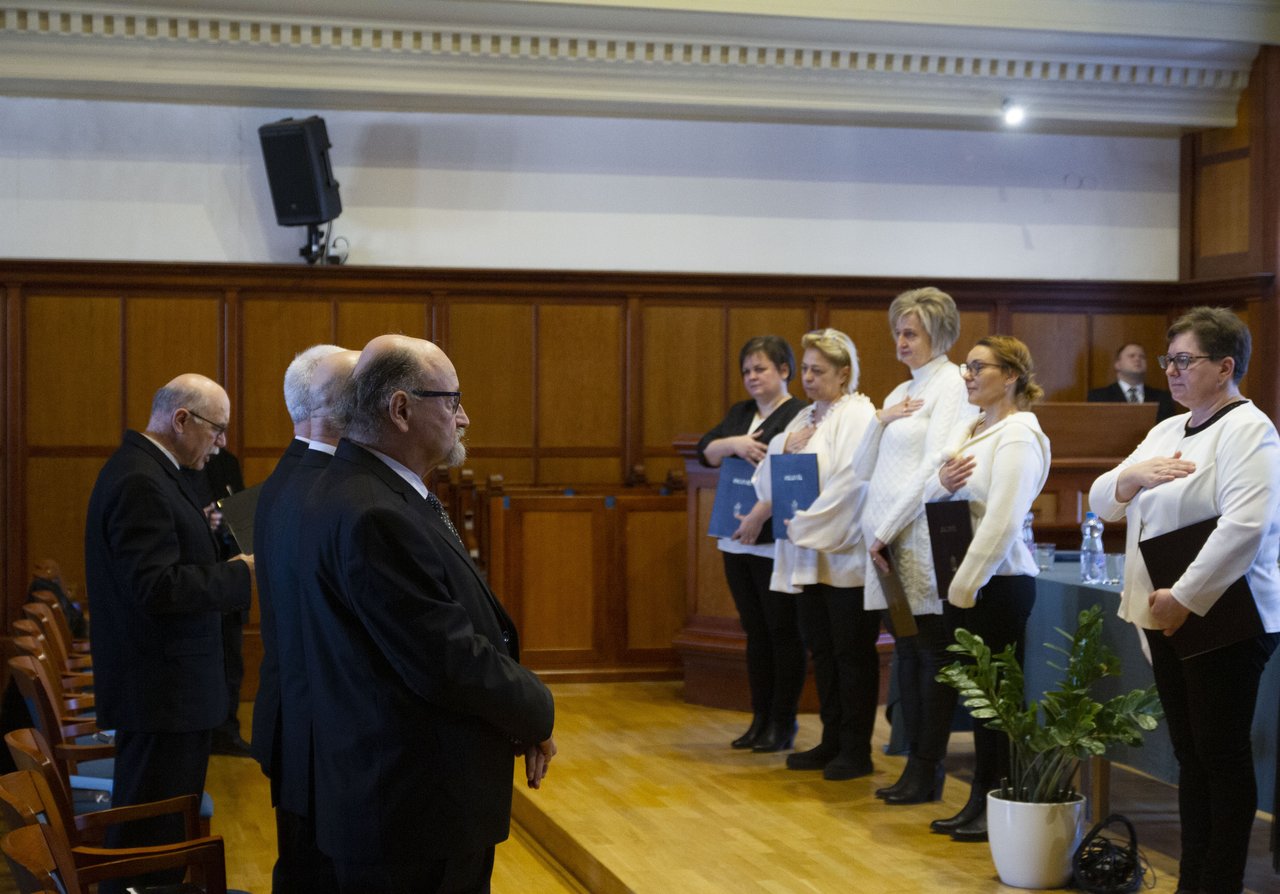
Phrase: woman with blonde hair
{"type": "Point", "coordinates": [998, 463]}
{"type": "Point", "coordinates": [823, 560]}
{"type": "Point", "coordinates": [916, 421]}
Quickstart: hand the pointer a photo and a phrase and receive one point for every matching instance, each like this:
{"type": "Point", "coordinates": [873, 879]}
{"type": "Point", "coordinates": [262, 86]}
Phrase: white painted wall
{"type": "Point", "coordinates": [132, 181]}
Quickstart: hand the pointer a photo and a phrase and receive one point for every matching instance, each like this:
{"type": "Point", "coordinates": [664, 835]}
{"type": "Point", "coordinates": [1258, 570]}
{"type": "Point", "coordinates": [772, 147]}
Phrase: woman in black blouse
{"type": "Point", "coordinates": [775, 655]}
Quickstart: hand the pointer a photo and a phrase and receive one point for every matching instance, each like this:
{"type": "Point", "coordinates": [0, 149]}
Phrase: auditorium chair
{"type": "Point", "coordinates": [73, 742]}
{"type": "Point", "coordinates": [43, 863]}
{"type": "Point", "coordinates": [61, 646]}
{"type": "Point", "coordinates": [70, 692]}
{"type": "Point", "coordinates": [30, 750]}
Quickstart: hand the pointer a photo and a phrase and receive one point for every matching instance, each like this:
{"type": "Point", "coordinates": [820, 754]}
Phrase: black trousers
{"type": "Point", "coordinates": [1208, 704]}
{"type": "Point", "coordinates": [927, 707]}
{"type": "Point", "coordinates": [233, 661]}
{"type": "Point", "coordinates": [841, 638]}
{"type": "Point", "coordinates": [775, 654]}
{"type": "Point", "coordinates": [301, 867]}
{"type": "Point", "coordinates": [460, 874]}
{"type": "Point", "coordinates": [150, 767]}
{"type": "Point", "coordinates": [1000, 618]}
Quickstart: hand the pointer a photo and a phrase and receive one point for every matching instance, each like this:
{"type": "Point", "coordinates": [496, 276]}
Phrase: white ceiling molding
{"type": "Point", "coordinates": [733, 59]}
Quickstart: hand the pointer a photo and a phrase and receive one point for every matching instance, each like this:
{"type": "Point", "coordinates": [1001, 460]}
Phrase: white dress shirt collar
{"type": "Point", "coordinates": [402, 470]}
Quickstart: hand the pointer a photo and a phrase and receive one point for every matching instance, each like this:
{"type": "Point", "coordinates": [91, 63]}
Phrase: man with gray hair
{"type": "Point", "coordinates": [411, 660]}
{"type": "Point", "coordinates": [282, 712]}
{"type": "Point", "coordinates": [157, 592]}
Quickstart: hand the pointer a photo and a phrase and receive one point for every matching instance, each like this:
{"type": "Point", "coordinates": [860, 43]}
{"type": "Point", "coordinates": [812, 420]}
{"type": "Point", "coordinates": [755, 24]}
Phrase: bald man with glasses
{"type": "Point", "coordinates": [157, 592]}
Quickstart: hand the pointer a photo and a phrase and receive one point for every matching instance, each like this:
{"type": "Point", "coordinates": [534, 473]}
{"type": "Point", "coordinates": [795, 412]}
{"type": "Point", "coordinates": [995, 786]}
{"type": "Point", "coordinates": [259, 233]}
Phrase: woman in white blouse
{"type": "Point", "coordinates": [1220, 460]}
{"type": "Point", "coordinates": [999, 464]}
{"type": "Point", "coordinates": [838, 632]}
{"type": "Point", "coordinates": [918, 418]}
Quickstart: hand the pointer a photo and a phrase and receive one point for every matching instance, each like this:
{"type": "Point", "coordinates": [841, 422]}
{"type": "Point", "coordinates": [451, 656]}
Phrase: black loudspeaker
{"type": "Point", "coordinates": [302, 186]}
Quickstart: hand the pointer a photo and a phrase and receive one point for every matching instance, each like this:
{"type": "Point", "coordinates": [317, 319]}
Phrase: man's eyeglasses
{"type": "Point", "coordinates": [218, 430]}
{"type": "Point", "coordinates": [1182, 361]}
{"type": "Point", "coordinates": [974, 369]}
{"type": "Point", "coordinates": [454, 396]}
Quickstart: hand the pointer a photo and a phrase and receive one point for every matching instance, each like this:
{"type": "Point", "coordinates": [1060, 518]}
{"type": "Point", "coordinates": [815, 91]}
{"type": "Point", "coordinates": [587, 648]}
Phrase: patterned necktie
{"type": "Point", "coordinates": [435, 503]}
{"type": "Point", "coordinates": [1133, 395]}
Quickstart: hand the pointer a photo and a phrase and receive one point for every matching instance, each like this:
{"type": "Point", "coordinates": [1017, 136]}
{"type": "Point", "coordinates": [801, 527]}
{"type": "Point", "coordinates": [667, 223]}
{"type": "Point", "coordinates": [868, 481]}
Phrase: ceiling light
{"type": "Point", "coordinates": [1014, 114]}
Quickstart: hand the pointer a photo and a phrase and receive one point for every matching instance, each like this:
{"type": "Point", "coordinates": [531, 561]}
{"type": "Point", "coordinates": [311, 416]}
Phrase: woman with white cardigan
{"type": "Point", "coordinates": [916, 421]}
{"type": "Point", "coordinates": [838, 632]}
{"type": "Point", "coordinates": [1220, 460]}
{"type": "Point", "coordinates": [999, 464]}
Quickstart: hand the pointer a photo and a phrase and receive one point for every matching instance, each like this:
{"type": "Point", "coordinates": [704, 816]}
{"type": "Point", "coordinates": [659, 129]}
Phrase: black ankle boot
{"type": "Point", "coordinates": [750, 737]}
{"type": "Point", "coordinates": [898, 786]}
{"type": "Point", "coordinates": [779, 734]}
{"type": "Point", "coordinates": [925, 782]}
{"type": "Point", "coordinates": [974, 830]}
{"type": "Point", "coordinates": [814, 758]}
{"type": "Point", "coordinates": [972, 809]}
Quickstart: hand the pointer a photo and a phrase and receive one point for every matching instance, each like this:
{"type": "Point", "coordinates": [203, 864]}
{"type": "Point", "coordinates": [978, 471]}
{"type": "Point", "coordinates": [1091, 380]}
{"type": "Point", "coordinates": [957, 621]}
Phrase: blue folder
{"type": "Point", "coordinates": [795, 486]}
{"type": "Point", "coordinates": [735, 495]}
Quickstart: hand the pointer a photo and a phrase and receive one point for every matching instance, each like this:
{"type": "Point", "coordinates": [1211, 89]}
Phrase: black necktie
{"type": "Point", "coordinates": [1133, 395]}
{"type": "Point", "coordinates": [435, 503]}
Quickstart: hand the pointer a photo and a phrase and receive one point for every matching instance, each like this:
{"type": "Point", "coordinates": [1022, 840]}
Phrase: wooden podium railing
{"type": "Point", "coordinates": [1085, 439]}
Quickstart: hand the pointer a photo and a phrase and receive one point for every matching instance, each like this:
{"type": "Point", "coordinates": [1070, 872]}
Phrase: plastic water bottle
{"type": "Point", "coordinates": [1093, 561]}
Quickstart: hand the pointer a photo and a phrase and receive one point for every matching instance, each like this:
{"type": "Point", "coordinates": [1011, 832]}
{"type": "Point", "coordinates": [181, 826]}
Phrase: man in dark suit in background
{"type": "Point", "coordinates": [157, 591]}
{"type": "Point", "coordinates": [1130, 385]}
{"type": "Point", "coordinates": [286, 710]}
{"type": "Point", "coordinates": [411, 660]}
{"type": "Point", "coordinates": [221, 477]}
{"type": "Point", "coordinates": [266, 706]}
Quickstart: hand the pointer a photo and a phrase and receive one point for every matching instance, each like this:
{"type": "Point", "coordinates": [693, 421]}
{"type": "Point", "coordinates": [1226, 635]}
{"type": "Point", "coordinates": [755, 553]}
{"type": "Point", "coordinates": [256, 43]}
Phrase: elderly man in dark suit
{"type": "Point", "coordinates": [157, 591]}
{"type": "Point", "coordinates": [412, 662]}
{"type": "Point", "coordinates": [1130, 385]}
{"type": "Point", "coordinates": [286, 709]}
{"type": "Point", "coordinates": [266, 708]}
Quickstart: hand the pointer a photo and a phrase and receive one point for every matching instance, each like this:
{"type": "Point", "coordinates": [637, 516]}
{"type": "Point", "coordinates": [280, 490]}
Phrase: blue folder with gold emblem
{"type": "Point", "coordinates": [795, 486]}
{"type": "Point", "coordinates": [735, 495]}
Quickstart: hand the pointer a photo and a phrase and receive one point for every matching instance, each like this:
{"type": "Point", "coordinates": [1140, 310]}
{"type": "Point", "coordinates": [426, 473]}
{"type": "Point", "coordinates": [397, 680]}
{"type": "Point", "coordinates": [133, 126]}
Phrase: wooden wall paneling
{"type": "Point", "coordinates": [713, 597]}
{"type": "Point", "coordinates": [165, 337]}
{"type": "Point", "coordinates": [567, 470]}
{"type": "Point", "coordinates": [1108, 332]}
{"type": "Point", "coordinates": [1222, 208]}
{"type": "Point", "coordinates": [1059, 347]}
{"type": "Point", "coordinates": [789, 322]}
{"type": "Point", "coordinates": [255, 469]}
{"type": "Point", "coordinates": [360, 319]}
{"type": "Point", "coordinates": [73, 371]}
{"type": "Point", "coordinates": [879, 368]}
{"type": "Point", "coordinates": [654, 551]}
{"type": "Point", "coordinates": [273, 332]}
{"type": "Point", "coordinates": [974, 324]}
{"type": "Point", "coordinates": [554, 579]}
{"type": "Point", "coordinates": [58, 490]}
{"type": "Point", "coordinates": [491, 345]}
{"type": "Point", "coordinates": [579, 350]}
{"type": "Point", "coordinates": [684, 374]}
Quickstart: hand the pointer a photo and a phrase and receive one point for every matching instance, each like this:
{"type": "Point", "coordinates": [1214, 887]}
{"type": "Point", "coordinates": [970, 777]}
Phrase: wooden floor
{"type": "Point", "coordinates": [646, 796]}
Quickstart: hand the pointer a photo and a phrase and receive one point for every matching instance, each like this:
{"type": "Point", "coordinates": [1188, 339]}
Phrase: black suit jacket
{"type": "Point", "coordinates": [1114, 394]}
{"type": "Point", "coordinates": [416, 691]}
{"type": "Point", "coordinates": [157, 593]}
{"type": "Point", "coordinates": [266, 706]}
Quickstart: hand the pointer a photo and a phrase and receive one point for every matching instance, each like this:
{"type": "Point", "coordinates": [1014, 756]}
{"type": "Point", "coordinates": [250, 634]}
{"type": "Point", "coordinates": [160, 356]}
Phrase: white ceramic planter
{"type": "Point", "coordinates": [1032, 844]}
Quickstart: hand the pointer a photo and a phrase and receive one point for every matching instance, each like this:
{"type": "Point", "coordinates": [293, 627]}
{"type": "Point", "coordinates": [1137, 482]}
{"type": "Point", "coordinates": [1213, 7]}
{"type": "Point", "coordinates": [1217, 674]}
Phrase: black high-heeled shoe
{"type": "Point", "coordinates": [752, 735]}
{"type": "Point", "coordinates": [972, 809]}
{"type": "Point", "coordinates": [925, 784]}
{"type": "Point", "coordinates": [778, 735]}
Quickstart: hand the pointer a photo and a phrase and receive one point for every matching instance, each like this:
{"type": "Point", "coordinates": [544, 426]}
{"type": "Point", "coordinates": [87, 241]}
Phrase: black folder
{"type": "Point", "coordinates": [1233, 617]}
{"type": "Point", "coordinates": [901, 621]}
{"type": "Point", "coordinates": [950, 533]}
{"type": "Point", "coordinates": [237, 514]}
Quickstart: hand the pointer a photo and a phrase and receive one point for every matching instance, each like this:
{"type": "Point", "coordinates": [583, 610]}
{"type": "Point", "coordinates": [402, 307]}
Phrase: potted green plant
{"type": "Point", "coordinates": [1047, 741]}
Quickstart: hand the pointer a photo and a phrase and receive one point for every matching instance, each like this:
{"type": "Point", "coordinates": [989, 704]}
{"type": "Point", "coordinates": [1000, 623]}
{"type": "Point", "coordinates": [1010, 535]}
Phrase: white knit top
{"type": "Point", "coordinates": [898, 460]}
